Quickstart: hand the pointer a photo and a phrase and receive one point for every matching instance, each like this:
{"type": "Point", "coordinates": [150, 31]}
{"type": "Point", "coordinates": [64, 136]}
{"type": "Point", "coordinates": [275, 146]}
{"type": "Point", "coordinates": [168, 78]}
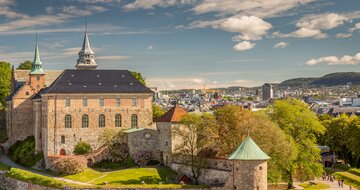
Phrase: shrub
{"type": "Point", "coordinates": [153, 162]}
{"type": "Point", "coordinates": [119, 152]}
{"type": "Point", "coordinates": [142, 158]}
{"type": "Point", "coordinates": [27, 176]}
{"type": "Point", "coordinates": [82, 148]}
{"type": "Point", "coordinates": [70, 165]}
{"type": "Point", "coordinates": [110, 164]}
{"type": "Point", "coordinates": [23, 152]}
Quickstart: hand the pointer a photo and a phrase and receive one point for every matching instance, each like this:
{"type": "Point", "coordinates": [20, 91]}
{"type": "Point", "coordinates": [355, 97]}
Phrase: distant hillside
{"type": "Point", "coordinates": [333, 79]}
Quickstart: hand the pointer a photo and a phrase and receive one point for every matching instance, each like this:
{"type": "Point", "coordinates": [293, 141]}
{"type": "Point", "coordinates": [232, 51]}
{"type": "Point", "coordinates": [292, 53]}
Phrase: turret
{"type": "Point", "coordinates": [86, 60]}
{"type": "Point", "coordinates": [37, 75]}
{"type": "Point", "coordinates": [249, 169]}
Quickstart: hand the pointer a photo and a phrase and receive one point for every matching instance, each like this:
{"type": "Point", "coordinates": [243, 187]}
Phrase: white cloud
{"type": "Point", "coordinates": [333, 60]}
{"type": "Point", "coordinates": [150, 47]}
{"type": "Point", "coordinates": [343, 35]}
{"type": "Point", "coordinates": [249, 27]}
{"type": "Point", "coordinates": [312, 26]}
{"type": "Point", "coordinates": [26, 22]}
{"type": "Point", "coordinates": [242, 46]}
{"type": "Point", "coordinates": [8, 13]}
{"type": "Point", "coordinates": [150, 4]}
{"type": "Point", "coordinates": [97, 1]}
{"type": "Point", "coordinates": [281, 45]}
{"type": "Point", "coordinates": [259, 8]}
{"type": "Point", "coordinates": [356, 27]}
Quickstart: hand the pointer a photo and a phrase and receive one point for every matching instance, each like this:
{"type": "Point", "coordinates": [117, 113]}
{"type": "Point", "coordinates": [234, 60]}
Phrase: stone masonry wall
{"type": "Point", "coordinates": [12, 184]}
{"type": "Point", "coordinates": [55, 110]}
{"type": "Point", "coordinates": [21, 115]}
{"type": "Point", "coordinates": [144, 140]}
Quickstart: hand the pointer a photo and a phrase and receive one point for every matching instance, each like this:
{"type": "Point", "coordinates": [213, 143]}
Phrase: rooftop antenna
{"type": "Point", "coordinates": [86, 25]}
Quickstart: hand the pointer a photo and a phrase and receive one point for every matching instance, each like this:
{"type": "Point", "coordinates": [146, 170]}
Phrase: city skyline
{"type": "Point", "coordinates": [186, 43]}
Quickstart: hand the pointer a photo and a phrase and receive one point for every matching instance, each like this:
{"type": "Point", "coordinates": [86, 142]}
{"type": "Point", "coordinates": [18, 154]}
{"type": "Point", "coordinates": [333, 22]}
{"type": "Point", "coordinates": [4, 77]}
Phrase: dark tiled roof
{"type": "Point", "coordinates": [38, 95]}
{"type": "Point", "coordinates": [174, 115]}
{"type": "Point", "coordinates": [97, 81]}
{"type": "Point", "coordinates": [18, 86]}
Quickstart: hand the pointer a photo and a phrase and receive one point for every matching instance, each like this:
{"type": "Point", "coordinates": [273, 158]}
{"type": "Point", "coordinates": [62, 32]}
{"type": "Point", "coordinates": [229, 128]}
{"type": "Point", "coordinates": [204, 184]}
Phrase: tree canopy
{"type": "Point", "coordinates": [158, 112]}
{"type": "Point", "coordinates": [303, 126]}
{"type": "Point", "coordinates": [26, 65]}
{"type": "Point", "coordinates": [5, 82]}
{"type": "Point", "coordinates": [138, 76]}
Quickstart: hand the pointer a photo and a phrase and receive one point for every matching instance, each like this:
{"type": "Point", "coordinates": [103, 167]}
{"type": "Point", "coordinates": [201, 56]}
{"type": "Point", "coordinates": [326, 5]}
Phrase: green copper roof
{"type": "Point", "coordinates": [248, 150]}
{"type": "Point", "coordinates": [36, 67]}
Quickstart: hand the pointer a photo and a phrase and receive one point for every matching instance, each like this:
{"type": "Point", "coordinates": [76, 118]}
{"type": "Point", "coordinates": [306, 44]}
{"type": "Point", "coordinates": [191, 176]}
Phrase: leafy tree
{"type": "Point", "coordinates": [158, 112]}
{"type": "Point", "coordinates": [192, 140]}
{"type": "Point", "coordinates": [354, 142]}
{"type": "Point", "coordinates": [26, 65]}
{"type": "Point", "coordinates": [82, 148]}
{"type": "Point", "coordinates": [232, 124]}
{"type": "Point", "coordinates": [138, 76]}
{"type": "Point", "coordinates": [302, 125]}
{"type": "Point", "coordinates": [5, 83]}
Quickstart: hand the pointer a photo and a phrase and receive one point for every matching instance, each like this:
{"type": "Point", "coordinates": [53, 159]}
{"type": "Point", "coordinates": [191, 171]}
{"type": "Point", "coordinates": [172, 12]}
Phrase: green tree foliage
{"type": "Point", "coordinates": [82, 148]}
{"type": "Point", "coordinates": [342, 135]}
{"type": "Point", "coordinates": [232, 124]}
{"type": "Point", "coordinates": [26, 65]}
{"type": "Point", "coordinates": [302, 125]}
{"type": "Point", "coordinates": [5, 83]}
{"type": "Point", "coordinates": [192, 141]}
{"type": "Point", "coordinates": [139, 77]}
{"type": "Point", "coordinates": [23, 152]}
{"type": "Point", "coordinates": [158, 112]}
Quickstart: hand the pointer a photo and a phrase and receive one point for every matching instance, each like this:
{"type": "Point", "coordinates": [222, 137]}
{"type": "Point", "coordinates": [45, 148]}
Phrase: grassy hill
{"type": "Point", "coordinates": [333, 79]}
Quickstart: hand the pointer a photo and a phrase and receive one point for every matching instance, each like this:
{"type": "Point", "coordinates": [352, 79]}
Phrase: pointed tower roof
{"type": "Point", "coordinates": [174, 115]}
{"type": "Point", "coordinates": [248, 150]}
{"type": "Point", "coordinates": [86, 49]}
{"type": "Point", "coordinates": [36, 67]}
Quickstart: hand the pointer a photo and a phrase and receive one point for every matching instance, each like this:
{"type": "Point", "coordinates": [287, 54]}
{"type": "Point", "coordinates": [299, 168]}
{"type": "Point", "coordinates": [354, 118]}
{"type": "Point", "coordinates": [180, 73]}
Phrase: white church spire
{"type": "Point", "coordinates": [86, 60]}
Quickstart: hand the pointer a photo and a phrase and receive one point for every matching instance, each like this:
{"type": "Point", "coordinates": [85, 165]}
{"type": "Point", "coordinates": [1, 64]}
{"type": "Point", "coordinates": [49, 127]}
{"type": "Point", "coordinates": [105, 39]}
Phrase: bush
{"type": "Point", "coordinates": [142, 158]}
{"type": "Point", "coordinates": [153, 162]}
{"type": "Point", "coordinates": [70, 165]}
{"type": "Point", "coordinates": [355, 171]}
{"type": "Point", "coordinates": [341, 166]}
{"type": "Point", "coordinates": [23, 152]}
{"type": "Point", "coordinates": [119, 152]}
{"type": "Point", "coordinates": [82, 148]}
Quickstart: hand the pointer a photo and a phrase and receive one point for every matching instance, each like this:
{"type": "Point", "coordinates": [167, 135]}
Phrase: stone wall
{"type": "Point", "coordinates": [20, 112]}
{"type": "Point", "coordinates": [143, 140]}
{"type": "Point", "coordinates": [55, 110]}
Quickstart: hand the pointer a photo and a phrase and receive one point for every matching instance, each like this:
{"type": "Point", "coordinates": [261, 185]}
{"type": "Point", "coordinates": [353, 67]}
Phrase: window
{"type": "Point", "coordinates": [62, 139]}
{"type": "Point", "coordinates": [101, 120]}
{"type": "Point", "coordinates": [133, 100]}
{"type": "Point", "coordinates": [85, 121]}
{"type": "Point", "coordinates": [85, 102]}
{"type": "Point", "coordinates": [101, 102]}
{"type": "Point", "coordinates": [260, 168]}
{"type": "Point", "coordinates": [117, 102]}
{"type": "Point", "coordinates": [37, 78]}
{"type": "Point", "coordinates": [26, 93]}
{"type": "Point", "coordinates": [117, 120]}
{"type": "Point", "coordinates": [68, 103]}
{"type": "Point", "coordinates": [67, 121]}
{"type": "Point", "coordinates": [134, 121]}
{"type": "Point", "coordinates": [166, 143]}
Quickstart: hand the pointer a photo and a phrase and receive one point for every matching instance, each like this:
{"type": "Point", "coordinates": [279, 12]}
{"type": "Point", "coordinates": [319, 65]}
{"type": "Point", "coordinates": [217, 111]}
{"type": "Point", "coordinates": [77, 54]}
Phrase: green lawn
{"type": "Point", "coordinates": [314, 187]}
{"type": "Point", "coordinates": [137, 175]}
{"type": "Point", "coordinates": [87, 175]}
{"type": "Point", "coordinates": [349, 178]}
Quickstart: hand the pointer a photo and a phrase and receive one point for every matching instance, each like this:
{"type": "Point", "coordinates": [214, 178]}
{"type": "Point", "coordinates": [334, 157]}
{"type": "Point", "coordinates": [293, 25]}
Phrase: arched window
{"type": "Point", "coordinates": [117, 120]}
{"type": "Point", "coordinates": [101, 120]}
{"type": "Point", "coordinates": [67, 121]}
{"type": "Point", "coordinates": [62, 152]}
{"type": "Point", "coordinates": [85, 121]}
{"type": "Point", "coordinates": [134, 121]}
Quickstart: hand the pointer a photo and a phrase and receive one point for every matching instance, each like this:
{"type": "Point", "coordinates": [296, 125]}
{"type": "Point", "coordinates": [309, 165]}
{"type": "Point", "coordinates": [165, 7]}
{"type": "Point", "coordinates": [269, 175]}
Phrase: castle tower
{"type": "Point", "coordinates": [37, 74]}
{"type": "Point", "coordinates": [86, 60]}
{"type": "Point", "coordinates": [249, 167]}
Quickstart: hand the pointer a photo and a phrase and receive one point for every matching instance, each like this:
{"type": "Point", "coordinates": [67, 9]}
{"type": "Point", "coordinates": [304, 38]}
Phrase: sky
{"type": "Point", "coordinates": [178, 44]}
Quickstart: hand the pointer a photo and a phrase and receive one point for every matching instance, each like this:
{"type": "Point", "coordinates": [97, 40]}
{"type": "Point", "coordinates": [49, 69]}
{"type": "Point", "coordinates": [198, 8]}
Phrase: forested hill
{"type": "Point", "coordinates": [333, 79]}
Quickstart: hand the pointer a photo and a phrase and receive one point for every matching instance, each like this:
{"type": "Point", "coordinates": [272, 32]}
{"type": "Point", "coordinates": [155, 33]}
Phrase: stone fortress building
{"type": "Point", "coordinates": [62, 108]}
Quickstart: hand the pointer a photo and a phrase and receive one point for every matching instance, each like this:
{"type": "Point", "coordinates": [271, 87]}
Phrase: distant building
{"type": "Point", "coordinates": [267, 92]}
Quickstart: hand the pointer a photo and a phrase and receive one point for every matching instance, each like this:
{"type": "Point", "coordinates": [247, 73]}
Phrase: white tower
{"type": "Point", "coordinates": [86, 60]}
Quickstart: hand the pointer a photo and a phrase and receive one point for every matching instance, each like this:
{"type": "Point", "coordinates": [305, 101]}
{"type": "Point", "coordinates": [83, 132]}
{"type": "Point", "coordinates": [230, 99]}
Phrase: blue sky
{"type": "Point", "coordinates": [188, 43]}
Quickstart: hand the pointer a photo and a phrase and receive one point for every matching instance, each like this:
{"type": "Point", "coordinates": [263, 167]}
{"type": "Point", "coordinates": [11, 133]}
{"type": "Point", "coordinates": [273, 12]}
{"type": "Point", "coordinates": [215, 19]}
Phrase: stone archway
{"type": "Point", "coordinates": [90, 162]}
{"type": "Point", "coordinates": [63, 152]}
